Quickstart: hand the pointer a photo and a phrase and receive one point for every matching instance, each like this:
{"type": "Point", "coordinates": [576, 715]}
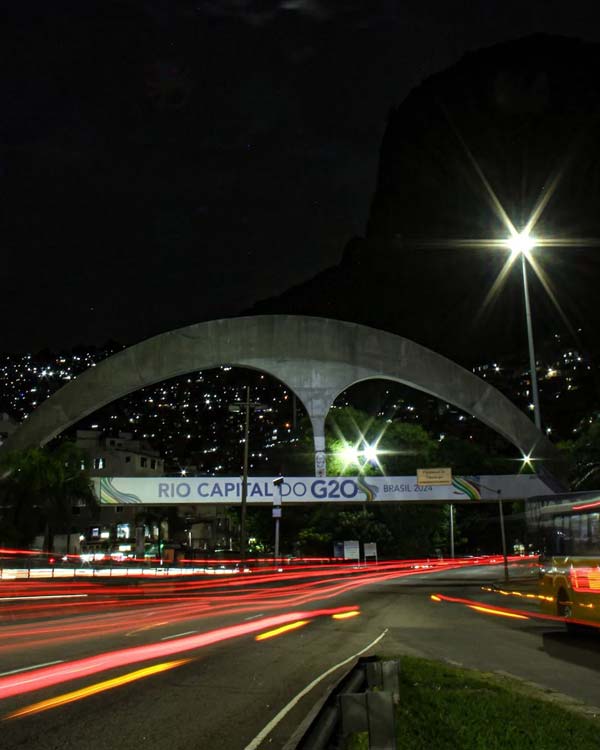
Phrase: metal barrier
{"type": "Point", "coordinates": [363, 701]}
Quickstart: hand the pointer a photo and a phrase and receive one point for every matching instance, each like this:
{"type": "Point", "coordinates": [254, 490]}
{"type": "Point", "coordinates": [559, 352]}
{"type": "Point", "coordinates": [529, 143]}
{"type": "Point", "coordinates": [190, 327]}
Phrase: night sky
{"type": "Point", "coordinates": [168, 162]}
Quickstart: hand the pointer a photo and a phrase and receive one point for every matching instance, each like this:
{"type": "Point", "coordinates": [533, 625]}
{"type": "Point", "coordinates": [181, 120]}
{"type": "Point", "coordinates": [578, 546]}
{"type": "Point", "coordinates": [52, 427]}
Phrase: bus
{"type": "Point", "coordinates": [569, 583]}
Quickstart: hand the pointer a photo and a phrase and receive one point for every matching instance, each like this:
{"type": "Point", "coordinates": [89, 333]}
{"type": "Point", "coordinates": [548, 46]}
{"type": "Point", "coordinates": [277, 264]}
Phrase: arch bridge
{"type": "Point", "coordinates": [316, 358]}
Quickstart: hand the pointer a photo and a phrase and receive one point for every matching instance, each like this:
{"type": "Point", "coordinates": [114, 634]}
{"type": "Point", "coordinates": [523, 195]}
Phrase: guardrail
{"type": "Point", "coordinates": [363, 701]}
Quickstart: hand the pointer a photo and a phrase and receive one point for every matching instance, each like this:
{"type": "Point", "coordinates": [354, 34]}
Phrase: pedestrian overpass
{"type": "Point", "coordinates": [316, 358]}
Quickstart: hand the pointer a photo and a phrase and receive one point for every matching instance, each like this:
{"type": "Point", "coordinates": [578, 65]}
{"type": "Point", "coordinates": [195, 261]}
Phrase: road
{"type": "Point", "coordinates": [178, 665]}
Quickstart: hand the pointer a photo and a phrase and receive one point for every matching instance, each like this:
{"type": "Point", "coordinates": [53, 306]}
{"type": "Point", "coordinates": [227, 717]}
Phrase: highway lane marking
{"type": "Point", "coordinates": [266, 731]}
{"type": "Point", "coordinates": [148, 627]}
{"type": "Point", "coordinates": [178, 635]}
{"type": "Point", "coordinates": [35, 666]}
{"type": "Point", "coordinates": [260, 614]}
{"type": "Point", "coordinates": [281, 630]}
{"type": "Point", "coordinates": [46, 596]}
{"type": "Point", "coordinates": [99, 687]}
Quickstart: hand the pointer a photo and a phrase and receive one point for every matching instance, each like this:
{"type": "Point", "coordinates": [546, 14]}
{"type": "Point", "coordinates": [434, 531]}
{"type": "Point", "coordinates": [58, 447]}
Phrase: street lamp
{"type": "Point", "coordinates": [349, 454]}
{"type": "Point", "coordinates": [370, 453]}
{"type": "Point", "coordinates": [237, 408]}
{"type": "Point", "coordinates": [277, 510]}
{"type": "Point", "coordinates": [352, 455]}
{"type": "Point", "coordinates": [522, 244]}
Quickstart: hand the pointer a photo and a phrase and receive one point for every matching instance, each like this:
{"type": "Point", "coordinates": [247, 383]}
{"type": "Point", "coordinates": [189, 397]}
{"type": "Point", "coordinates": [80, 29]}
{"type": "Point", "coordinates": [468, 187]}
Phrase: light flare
{"type": "Point", "coordinates": [370, 453]}
{"type": "Point", "coordinates": [349, 455]}
{"type": "Point", "coordinates": [527, 460]}
{"type": "Point", "coordinates": [521, 243]}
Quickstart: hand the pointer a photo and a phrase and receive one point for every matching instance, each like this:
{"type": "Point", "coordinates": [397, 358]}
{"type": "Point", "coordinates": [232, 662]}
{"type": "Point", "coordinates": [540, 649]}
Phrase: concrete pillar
{"type": "Point", "coordinates": [317, 400]}
{"type": "Point", "coordinates": [318, 425]}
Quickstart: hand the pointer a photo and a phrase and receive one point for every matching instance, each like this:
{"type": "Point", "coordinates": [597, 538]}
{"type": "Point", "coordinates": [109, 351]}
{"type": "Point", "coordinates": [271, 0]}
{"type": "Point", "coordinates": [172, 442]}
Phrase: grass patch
{"type": "Point", "coordinates": [448, 708]}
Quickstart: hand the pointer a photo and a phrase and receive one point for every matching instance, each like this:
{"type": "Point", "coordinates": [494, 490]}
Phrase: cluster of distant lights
{"type": "Point", "coordinates": [570, 361]}
{"type": "Point", "coordinates": [160, 409]}
{"type": "Point", "coordinates": [63, 368]}
{"type": "Point", "coordinates": [28, 383]}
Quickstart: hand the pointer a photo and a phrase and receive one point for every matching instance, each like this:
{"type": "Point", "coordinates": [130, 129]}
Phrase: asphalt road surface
{"type": "Point", "coordinates": [180, 666]}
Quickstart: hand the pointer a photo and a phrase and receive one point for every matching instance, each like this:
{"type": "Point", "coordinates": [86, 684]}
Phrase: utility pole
{"type": "Point", "coordinates": [245, 477]}
{"type": "Point", "coordinates": [237, 408]}
{"type": "Point", "coordinates": [277, 511]}
{"type": "Point", "coordinates": [501, 511]}
{"type": "Point", "coordinates": [502, 527]}
{"type": "Point", "coordinates": [537, 414]}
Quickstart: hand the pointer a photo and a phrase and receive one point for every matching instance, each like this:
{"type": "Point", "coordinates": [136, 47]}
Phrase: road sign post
{"type": "Point", "coordinates": [439, 477]}
{"type": "Point", "coordinates": [352, 550]}
{"type": "Point", "coordinates": [277, 503]}
{"type": "Point", "coordinates": [434, 477]}
{"type": "Point", "coordinates": [503, 534]}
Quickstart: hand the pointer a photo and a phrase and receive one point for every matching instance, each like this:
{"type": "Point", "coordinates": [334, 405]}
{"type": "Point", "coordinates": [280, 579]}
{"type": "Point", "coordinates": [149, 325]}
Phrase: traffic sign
{"type": "Point", "coordinates": [440, 476]}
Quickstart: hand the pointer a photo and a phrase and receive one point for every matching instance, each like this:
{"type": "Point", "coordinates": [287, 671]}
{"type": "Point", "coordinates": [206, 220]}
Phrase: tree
{"type": "Point", "coordinates": [583, 457]}
{"type": "Point", "coordinates": [39, 486]}
{"type": "Point", "coordinates": [409, 530]}
{"type": "Point", "coordinates": [401, 447]}
{"type": "Point", "coordinates": [467, 457]}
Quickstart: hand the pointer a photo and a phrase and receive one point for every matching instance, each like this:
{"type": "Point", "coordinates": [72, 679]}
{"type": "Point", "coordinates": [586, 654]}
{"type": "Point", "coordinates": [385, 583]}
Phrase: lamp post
{"type": "Point", "coordinates": [522, 244]}
{"type": "Point", "coordinates": [277, 511]}
{"type": "Point", "coordinates": [351, 455]}
{"type": "Point", "coordinates": [237, 408]}
{"type": "Point", "coordinates": [503, 533]}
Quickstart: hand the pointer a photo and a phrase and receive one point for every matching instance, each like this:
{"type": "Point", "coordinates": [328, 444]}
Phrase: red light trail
{"type": "Point", "coordinates": [494, 609]}
{"type": "Point", "coordinates": [36, 679]}
{"type": "Point", "coordinates": [135, 609]}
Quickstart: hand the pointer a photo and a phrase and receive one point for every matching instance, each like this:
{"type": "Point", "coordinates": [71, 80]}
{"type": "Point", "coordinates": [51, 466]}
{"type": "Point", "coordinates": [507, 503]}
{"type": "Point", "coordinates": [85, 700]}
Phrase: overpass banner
{"type": "Point", "coordinates": [261, 490]}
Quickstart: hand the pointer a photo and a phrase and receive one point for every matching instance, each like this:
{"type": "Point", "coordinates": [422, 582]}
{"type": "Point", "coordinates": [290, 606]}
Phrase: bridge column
{"type": "Point", "coordinates": [317, 402]}
{"type": "Point", "coordinates": [318, 425]}
{"type": "Point", "coordinates": [317, 387]}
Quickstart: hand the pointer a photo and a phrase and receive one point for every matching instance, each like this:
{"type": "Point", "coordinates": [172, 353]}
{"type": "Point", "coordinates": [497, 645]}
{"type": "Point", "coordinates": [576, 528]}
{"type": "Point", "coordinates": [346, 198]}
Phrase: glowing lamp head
{"type": "Point", "coordinates": [521, 244]}
{"type": "Point", "coordinates": [527, 460]}
{"type": "Point", "coordinates": [370, 453]}
{"type": "Point", "coordinates": [349, 454]}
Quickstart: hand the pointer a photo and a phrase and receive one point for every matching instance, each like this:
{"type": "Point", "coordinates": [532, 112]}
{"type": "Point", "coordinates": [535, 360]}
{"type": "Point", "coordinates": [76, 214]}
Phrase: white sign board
{"type": "Point", "coordinates": [352, 550]}
{"type": "Point", "coordinates": [370, 549]}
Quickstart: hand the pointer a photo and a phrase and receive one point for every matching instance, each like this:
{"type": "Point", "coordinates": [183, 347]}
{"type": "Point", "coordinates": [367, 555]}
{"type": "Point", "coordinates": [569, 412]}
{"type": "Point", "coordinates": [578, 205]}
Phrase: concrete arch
{"type": "Point", "coordinates": [317, 358]}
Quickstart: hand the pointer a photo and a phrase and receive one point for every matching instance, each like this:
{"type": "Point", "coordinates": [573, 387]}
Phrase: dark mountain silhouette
{"type": "Point", "coordinates": [522, 115]}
